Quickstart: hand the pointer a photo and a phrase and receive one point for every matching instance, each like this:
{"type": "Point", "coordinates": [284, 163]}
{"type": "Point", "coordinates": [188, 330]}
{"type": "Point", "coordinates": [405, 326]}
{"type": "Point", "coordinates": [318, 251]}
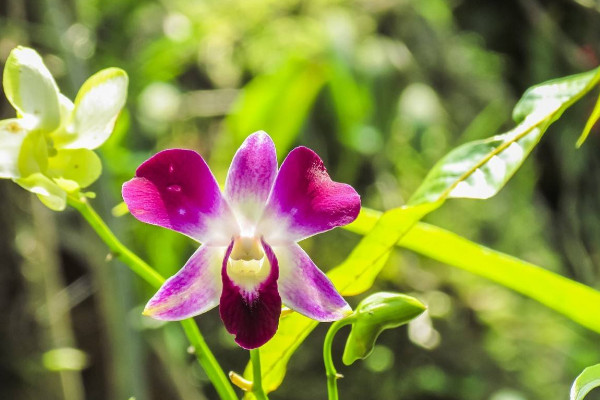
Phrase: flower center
{"type": "Point", "coordinates": [14, 127]}
{"type": "Point", "coordinates": [247, 266]}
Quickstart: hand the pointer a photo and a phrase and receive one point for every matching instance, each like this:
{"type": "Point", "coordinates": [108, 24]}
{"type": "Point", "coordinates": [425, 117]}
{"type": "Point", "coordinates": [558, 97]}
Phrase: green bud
{"type": "Point", "coordinates": [373, 315]}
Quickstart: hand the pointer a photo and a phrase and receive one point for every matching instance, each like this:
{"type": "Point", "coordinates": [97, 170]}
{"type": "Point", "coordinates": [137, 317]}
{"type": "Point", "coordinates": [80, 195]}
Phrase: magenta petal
{"type": "Point", "coordinates": [306, 289]}
{"type": "Point", "coordinates": [307, 200]}
{"type": "Point", "coordinates": [191, 291]}
{"type": "Point", "coordinates": [175, 189]}
{"type": "Point", "coordinates": [253, 317]}
{"type": "Point", "coordinates": [251, 176]}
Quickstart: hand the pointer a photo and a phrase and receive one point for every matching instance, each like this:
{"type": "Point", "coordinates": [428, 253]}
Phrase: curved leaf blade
{"type": "Point", "coordinates": [588, 380]}
{"type": "Point", "coordinates": [555, 93]}
{"type": "Point", "coordinates": [479, 169]}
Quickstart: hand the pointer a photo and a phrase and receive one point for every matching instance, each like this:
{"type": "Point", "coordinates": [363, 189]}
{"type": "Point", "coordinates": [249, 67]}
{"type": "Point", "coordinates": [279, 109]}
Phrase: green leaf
{"type": "Point", "coordinates": [96, 109]}
{"type": "Point", "coordinates": [80, 166]}
{"type": "Point", "coordinates": [555, 94]}
{"type": "Point", "coordinates": [354, 276]}
{"type": "Point", "coordinates": [588, 380]}
{"type": "Point", "coordinates": [352, 104]}
{"type": "Point", "coordinates": [278, 103]}
{"type": "Point", "coordinates": [12, 135]}
{"type": "Point", "coordinates": [358, 272]}
{"type": "Point", "coordinates": [574, 300]}
{"type": "Point", "coordinates": [31, 89]}
{"type": "Point", "coordinates": [374, 314]}
{"type": "Point", "coordinates": [46, 190]}
{"type": "Point", "coordinates": [589, 124]}
{"type": "Point", "coordinates": [275, 354]}
{"type": "Point", "coordinates": [481, 168]}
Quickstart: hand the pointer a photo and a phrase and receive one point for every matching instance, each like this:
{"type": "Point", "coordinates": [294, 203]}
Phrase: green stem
{"type": "Point", "coordinates": [203, 354]}
{"type": "Point", "coordinates": [332, 375]}
{"type": "Point", "coordinates": [257, 387]}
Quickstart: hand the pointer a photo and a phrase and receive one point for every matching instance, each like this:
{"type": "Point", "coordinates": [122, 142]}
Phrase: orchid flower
{"type": "Point", "coordinates": [47, 148]}
{"type": "Point", "coordinates": [249, 261]}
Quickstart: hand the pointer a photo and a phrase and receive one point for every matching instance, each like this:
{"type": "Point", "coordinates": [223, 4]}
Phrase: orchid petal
{"type": "Point", "coordinates": [81, 166]}
{"type": "Point", "coordinates": [46, 190]}
{"type": "Point", "coordinates": [33, 157]}
{"type": "Point", "coordinates": [193, 290]}
{"type": "Point", "coordinates": [31, 89]}
{"type": "Point", "coordinates": [306, 289]}
{"type": "Point", "coordinates": [96, 108]}
{"type": "Point", "coordinates": [175, 189]}
{"type": "Point", "coordinates": [305, 201]}
{"type": "Point", "coordinates": [250, 178]}
{"type": "Point", "coordinates": [12, 135]}
{"type": "Point", "coordinates": [61, 136]}
{"type": "Point", "coordinates": [253, 316]}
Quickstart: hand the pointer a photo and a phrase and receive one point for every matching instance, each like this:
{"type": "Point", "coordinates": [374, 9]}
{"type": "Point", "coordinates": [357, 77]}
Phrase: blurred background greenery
{"type": "Point", "coordinates": [381, 89]}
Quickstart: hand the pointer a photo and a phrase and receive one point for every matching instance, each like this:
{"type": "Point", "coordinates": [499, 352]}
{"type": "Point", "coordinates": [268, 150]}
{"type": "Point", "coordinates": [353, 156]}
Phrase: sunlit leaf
{"type": "Point", "coordinates": [555, 94]}
{"type": "Point", "coordinates": [354, 276]}
{"type": "Point", "coordinates": [588, 380]}
{"type": "Point", "coordinates": [570, 298]}
{"type": "Point", "coordinates": [589, 124]}
{"type": "Point", "coordinates": [481, 168]}
{"type": "Point", "coordinates": [31, 89]}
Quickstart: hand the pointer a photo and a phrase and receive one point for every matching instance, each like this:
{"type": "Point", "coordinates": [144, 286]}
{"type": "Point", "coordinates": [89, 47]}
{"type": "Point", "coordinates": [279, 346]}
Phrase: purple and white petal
{"type": "Point", "coordinates": [306, 289]}
{"type": "Point", "coordinates": [251, 315]}
{"type": "Point", "coordinates": [175, 189]}
{"type": "Point", "coordinates": [250, 179]}
{"type": "Point", "coordinates": [195, 289]}
{"type": "Point", "coordinates": [305, 201]}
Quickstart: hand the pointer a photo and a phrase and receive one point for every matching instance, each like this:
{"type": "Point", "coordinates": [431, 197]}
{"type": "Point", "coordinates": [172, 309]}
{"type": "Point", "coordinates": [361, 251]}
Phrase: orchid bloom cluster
{"type": "Point", "coordinates": [249, 262]}
{"type": "Point", "coordinates": [47, 148]}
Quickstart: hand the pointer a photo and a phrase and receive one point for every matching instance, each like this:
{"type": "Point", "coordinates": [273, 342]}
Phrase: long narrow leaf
{"type": "Point", "coordinates": [570, 298]}
{"type": "Point", "coordinates": [589, 124]}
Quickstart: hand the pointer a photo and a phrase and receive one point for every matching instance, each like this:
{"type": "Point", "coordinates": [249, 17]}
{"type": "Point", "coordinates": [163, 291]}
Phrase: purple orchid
{"type": "Point", "coordinates": [249, 261]}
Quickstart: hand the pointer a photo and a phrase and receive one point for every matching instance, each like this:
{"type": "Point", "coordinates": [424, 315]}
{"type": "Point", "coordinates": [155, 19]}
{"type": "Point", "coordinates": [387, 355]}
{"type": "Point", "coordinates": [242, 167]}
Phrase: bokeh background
{"type": "Point", "coordinates": [381, 89]}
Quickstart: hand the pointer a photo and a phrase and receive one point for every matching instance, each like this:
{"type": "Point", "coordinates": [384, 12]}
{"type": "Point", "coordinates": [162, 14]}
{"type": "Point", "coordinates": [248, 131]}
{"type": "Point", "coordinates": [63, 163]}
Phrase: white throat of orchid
{"type": "Point", "coordinates": [248, 265]}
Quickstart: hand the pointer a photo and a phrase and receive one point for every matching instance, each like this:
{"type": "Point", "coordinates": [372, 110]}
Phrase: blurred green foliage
{"type": "Point", "coordinates": [382, 90]}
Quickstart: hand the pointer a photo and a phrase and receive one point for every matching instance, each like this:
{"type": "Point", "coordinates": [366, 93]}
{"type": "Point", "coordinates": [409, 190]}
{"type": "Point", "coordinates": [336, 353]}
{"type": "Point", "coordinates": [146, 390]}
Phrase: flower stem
{"type": "Point", "coordinates": [257, 387]}
{"type": "Point", "coordinates": [203, 354]}
{"type": "Point", "coordinates": [332, 375]}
